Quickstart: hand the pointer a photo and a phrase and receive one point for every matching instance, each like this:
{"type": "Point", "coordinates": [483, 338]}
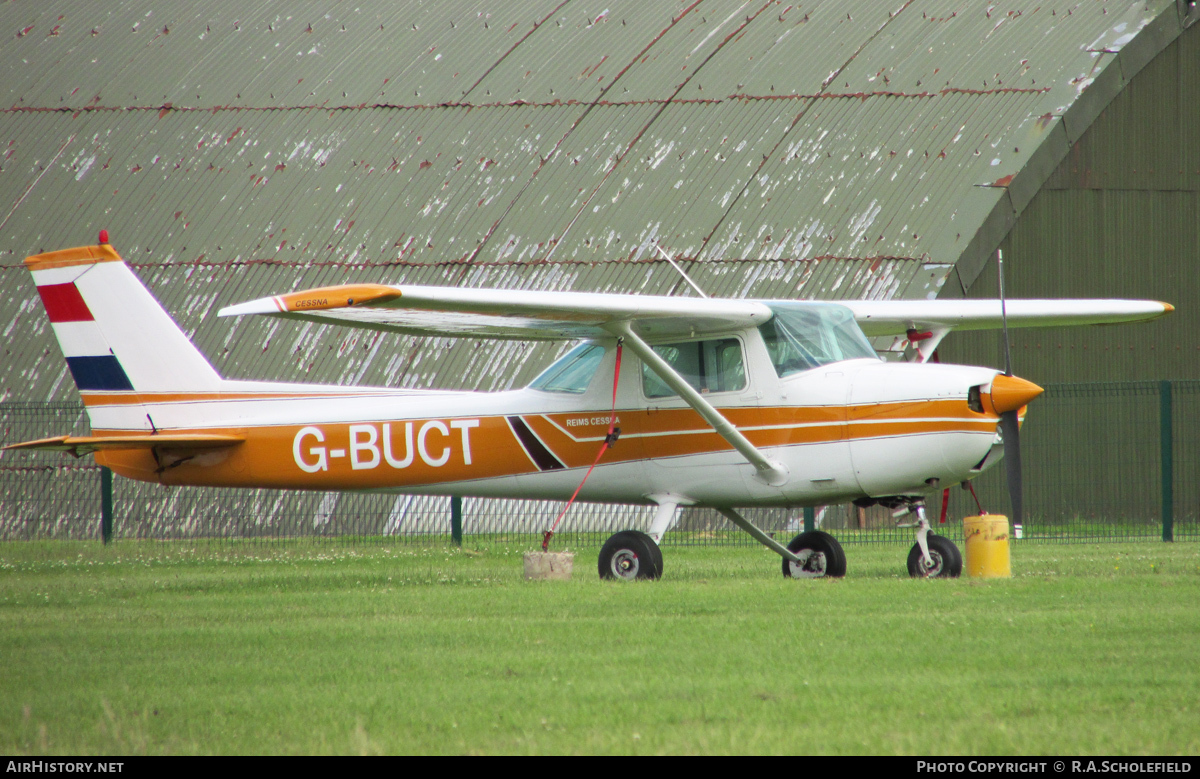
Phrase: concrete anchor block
{"type": "Point", "coordinates": [549, 565]}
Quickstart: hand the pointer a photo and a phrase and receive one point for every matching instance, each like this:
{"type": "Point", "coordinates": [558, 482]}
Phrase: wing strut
{"type": "Point", "coordinates": [768, 470]}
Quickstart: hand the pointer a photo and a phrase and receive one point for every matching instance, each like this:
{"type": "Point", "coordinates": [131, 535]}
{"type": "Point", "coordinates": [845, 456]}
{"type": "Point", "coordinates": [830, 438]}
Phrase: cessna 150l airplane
{"type": "Point", "coordinates": [722, 403]}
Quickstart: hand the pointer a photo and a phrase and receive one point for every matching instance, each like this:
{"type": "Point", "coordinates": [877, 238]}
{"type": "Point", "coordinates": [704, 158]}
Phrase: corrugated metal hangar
{"type": "Point", "coordinates": [824, 150]}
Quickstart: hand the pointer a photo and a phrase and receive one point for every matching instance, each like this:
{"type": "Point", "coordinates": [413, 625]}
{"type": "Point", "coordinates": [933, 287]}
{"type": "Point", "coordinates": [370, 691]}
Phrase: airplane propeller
{"type": "Point", "coordinates": [1009, 394]}
{"type": "Point", "coordinates": [1010, 426]}
{"type": "Point", "coordinates": [1012, 458]}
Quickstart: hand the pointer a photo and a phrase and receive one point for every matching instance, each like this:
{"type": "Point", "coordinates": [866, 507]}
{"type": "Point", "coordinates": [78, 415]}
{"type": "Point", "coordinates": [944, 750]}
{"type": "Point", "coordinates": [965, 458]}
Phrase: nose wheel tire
{"type": "Point", "coordinates": [947, 560]}
{"type": "Point", "coordinates": [821, 555]}
{"type": "Point", "coordinates": [630, 555]}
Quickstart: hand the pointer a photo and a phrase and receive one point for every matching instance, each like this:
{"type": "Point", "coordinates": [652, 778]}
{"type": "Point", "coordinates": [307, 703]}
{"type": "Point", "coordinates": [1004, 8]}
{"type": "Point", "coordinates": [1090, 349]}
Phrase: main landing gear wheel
{"type": "Point", "coordinates": [947, 560]}
{"type": "Point", "coordinates": [822, 556]}
{"type": "Point", "coordinates": [630, 555]}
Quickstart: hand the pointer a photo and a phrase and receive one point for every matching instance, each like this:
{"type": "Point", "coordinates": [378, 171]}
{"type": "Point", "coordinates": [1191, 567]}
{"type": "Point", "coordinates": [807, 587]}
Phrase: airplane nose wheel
{"type": "Point", "coordinates": [944, 561]}
{"type": "Point", "coordinates": [630, 555]}
{"type": "Point", "coordinates": [820, 555]}
{"type": "Point", "coordinates": [947, 560]}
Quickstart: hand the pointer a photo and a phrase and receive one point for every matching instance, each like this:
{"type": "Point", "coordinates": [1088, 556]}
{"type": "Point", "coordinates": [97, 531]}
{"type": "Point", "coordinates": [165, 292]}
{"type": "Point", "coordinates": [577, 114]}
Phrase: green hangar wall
{"type": "Point", "coordinates": [827, 150]}
{"type": "Point", "coordinates": [1115, 436]}
{"type": "Point", "coordinates": [1118, 217]}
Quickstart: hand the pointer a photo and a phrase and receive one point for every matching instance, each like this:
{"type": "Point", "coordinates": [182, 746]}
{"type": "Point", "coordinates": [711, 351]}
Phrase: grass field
{"type": "Point", "coordinates": [147, 647]}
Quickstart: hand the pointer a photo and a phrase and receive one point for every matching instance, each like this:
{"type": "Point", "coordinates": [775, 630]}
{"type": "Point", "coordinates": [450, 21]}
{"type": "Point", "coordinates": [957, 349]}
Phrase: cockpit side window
{"type": "Point", "coordinates": [802, 336]}
{"type": "Point", "coordinates": [573, 372]}
{"type": "Point", "coordinates": [709, 366]}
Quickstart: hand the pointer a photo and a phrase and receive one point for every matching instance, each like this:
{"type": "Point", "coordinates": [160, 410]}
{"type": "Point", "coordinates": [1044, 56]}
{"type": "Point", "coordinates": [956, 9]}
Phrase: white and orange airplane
{"type": "Point", "coordinates": [717, 402]}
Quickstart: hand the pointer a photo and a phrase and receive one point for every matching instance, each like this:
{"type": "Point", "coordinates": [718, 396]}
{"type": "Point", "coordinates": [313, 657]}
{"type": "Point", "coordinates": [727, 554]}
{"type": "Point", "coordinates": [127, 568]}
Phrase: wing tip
{"type": "Point", "coordinates": [342, 296]}
{"type": "Point", "coordinates": [260, 306]}
{"type": "Point", "coordinates": [318, 299]}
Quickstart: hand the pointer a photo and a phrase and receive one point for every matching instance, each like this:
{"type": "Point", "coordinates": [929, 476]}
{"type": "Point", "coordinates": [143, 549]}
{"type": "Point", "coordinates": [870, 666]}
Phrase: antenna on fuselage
{"type": "Point", "coordinates": [686, 277]}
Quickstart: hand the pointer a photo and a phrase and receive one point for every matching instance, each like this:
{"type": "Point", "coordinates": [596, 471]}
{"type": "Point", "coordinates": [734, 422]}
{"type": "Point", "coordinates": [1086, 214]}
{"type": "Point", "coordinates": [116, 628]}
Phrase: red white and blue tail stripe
{"type": "Point", "coordinates": [93, 364]}
{"type": "Point", "coordinates": [114, 334]}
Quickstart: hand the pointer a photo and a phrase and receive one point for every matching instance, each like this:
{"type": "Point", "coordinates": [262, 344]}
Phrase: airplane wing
{"type": "Point", "coordinates": [504, 313]}
{"type": "Point", "coordinates": [539, 315]}
{"type": "Point", "coordinates": [896, 317]}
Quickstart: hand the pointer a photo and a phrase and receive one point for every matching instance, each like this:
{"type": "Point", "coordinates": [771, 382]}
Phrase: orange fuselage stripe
{"type": "Point", "coordinates": [421, 452]}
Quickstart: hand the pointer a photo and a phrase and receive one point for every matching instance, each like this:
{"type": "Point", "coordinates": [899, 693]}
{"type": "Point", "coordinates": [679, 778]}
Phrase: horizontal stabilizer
{"type": "Point", "coordinates": [81, 445]}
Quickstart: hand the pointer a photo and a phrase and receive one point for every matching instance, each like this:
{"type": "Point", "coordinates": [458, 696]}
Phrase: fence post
{"type": "Point", "coordinates": [1168, 461]}
{"type": "Point", "coordinates": [456, 520]}
{"type": "Point", "coordinates": [106, 505]}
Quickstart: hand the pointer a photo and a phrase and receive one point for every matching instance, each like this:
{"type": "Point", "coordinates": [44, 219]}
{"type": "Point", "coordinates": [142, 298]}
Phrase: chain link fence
{"type": "Point", "coordinates": [1102, 461]}
{"type": "Point", "coordinates": [1107, 461]}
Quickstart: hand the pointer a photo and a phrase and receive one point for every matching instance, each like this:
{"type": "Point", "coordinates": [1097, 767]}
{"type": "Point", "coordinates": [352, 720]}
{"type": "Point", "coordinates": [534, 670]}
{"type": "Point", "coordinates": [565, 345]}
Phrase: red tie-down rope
{"type": "Point", "coordinates": [614, 433]}
{"type": "Point", "coordinates": [978, 505]}
{"type": "Point", "coordinates": [966, 485]}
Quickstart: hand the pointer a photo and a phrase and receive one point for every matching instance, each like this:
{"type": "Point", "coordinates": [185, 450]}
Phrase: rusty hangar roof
{"type": "Point", "coordinates": [817, 150]}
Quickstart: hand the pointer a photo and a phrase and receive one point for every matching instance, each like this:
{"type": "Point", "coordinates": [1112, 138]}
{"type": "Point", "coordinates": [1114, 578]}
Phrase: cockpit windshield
{"type": "Point", "coordinates": [573, 372]}
{"type": "Point", "coordinates": [802, 336]}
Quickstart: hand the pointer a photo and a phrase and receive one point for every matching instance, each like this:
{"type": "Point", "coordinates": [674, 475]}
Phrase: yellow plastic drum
{"type": "Point", "coordinates": [987, 547]}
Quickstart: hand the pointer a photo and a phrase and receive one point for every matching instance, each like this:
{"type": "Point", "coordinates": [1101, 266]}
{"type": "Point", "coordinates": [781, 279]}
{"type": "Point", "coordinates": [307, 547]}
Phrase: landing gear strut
{"type": "Point", "coordinates": [811, 555]}
{"type": "Point", "coordinates": [933, 556]}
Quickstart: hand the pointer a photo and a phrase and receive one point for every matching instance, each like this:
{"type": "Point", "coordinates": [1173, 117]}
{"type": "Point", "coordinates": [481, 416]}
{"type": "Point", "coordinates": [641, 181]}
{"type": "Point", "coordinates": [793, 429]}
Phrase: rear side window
{"type": "Point", "coordinates": [709, 366]}
{"type": "Point", "coordinates": [573, 372]}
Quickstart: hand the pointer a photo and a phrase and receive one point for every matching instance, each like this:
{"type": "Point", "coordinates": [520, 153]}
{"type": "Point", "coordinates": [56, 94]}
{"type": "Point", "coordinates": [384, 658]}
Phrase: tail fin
{"type": "Point", "coordinates": [115, 335]}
